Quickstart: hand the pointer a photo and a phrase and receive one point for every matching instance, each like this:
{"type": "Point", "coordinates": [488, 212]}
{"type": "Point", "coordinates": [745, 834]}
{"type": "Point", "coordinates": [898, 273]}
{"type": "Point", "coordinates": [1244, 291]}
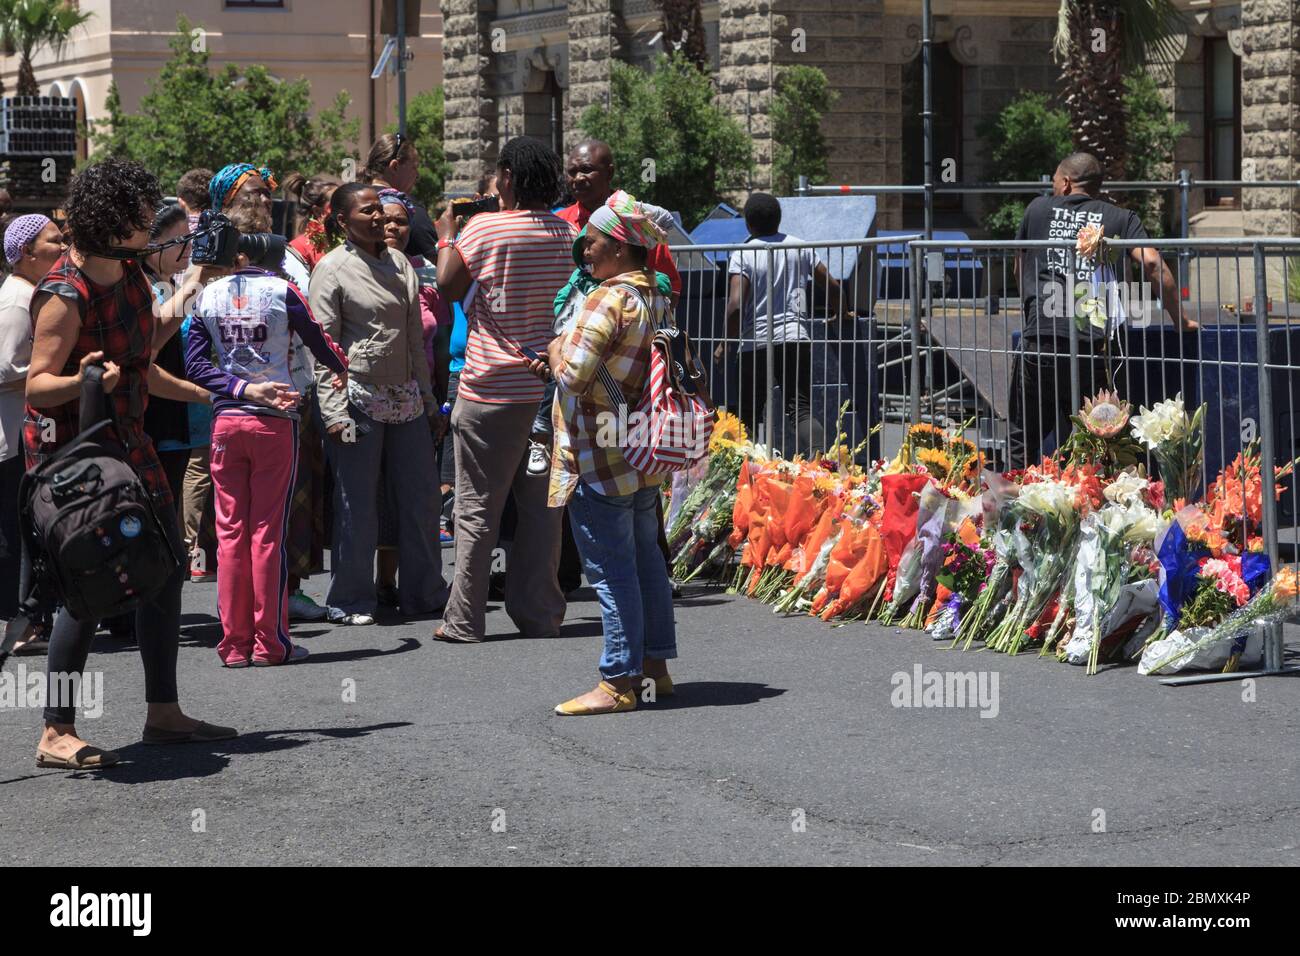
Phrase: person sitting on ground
{"type": "Point", "coordinates": [1041, 403]}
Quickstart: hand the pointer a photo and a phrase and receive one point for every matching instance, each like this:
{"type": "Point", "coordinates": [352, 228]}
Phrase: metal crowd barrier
{"type": "Point", "coordinates": [950, 346]}
{"type": "Point", "coordinates": [1180, 189]}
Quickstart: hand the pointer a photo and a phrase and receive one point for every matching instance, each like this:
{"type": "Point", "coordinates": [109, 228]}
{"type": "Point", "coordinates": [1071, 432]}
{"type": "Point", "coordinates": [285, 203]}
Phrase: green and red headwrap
{"type": "Point", "coordinates": [229, 178]}
{"type": "Point", "coordinates": [627, 221]}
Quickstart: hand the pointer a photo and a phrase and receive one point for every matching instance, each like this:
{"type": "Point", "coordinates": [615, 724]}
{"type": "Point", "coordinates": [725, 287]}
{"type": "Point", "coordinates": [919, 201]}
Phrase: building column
{"type": "Point", "coordinates": [594, 30]}
{"type": "Point", "coordinates": [470, 130]}
{"type": "Point", "coordinates": [1270, 114]}
{"type": "Point", "coordinates": [760, 37]}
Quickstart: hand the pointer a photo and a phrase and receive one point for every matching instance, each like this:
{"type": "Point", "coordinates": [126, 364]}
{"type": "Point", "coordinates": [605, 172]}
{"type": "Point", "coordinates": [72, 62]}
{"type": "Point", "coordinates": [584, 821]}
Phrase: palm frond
{"type": "Point", "coordinates": [1150, 28]}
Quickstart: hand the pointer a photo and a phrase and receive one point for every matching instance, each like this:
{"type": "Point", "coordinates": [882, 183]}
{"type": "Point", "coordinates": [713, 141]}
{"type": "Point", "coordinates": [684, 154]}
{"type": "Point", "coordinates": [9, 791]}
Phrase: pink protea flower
{"type": "Point", "coordinates": [1105, 415]}
{"type": "Point", "coordinates": [1088, 241]}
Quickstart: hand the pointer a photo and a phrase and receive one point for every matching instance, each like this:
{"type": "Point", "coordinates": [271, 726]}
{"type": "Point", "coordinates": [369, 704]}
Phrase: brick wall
{"type": "Point", "coordinates": [1270, 113]}
{"type": "Point", "coordinates": [470, 135]}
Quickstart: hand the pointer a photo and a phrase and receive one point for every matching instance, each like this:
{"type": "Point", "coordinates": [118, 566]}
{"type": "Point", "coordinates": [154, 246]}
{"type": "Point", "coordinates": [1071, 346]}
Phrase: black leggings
{"type": "Point", "coordinates": [11, 551]}
{"type": "Point", "coordinates": [157, 629]}
{"type": "Point", "coordinates": [792, 371]}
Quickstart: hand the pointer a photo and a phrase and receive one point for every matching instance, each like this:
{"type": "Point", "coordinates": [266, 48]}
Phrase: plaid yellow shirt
{"type": "Point", "coordinates": [615, 329]}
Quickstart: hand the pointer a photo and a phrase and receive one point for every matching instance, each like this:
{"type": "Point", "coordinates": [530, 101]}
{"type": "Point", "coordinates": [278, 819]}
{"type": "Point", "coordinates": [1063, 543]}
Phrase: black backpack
{"type": "Point", "coordinates": [96, 543]}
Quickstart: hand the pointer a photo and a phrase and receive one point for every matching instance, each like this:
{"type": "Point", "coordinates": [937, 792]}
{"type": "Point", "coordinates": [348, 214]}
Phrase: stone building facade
{"type": "Point", "coordinates": [534, 66]}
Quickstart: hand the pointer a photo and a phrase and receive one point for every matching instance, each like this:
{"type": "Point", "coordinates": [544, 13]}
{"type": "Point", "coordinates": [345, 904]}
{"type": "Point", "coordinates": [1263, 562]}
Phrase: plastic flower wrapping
{"type": "Point", "coordinates": [1105, 553]}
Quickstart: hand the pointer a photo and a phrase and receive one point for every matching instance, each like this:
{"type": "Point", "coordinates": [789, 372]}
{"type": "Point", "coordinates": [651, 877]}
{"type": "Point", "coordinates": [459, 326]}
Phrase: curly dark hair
{"type": "Point", "coordinates": [108, 201]}
{"type": "Point", "coordinates": [535, 170]}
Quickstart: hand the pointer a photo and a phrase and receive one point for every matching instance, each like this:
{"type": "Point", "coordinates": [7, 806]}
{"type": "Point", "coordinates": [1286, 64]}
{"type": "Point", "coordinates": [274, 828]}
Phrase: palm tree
{"type": "Point", "coordinates": [28, 25]}
{"type": "Point", "coordinates": [1097, 42]}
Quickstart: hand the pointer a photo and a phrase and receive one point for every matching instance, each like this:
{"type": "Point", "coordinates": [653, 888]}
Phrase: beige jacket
{"type": "Point", "coordinates": [371, 308]}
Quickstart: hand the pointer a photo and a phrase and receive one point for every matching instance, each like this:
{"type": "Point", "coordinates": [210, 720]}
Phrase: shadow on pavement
{"type": "Point", "coordinates": [717, 694]}
{"type": "Point", "coordinates": [144, 764]}
{"type": "Point", "coordinates": [360, 653]}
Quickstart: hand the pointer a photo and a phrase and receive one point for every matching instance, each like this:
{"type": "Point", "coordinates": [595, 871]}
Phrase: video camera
{"type": "Point", "coordinates": [216, 242]}
{"type": "Point", "coordinates": [465, 208]}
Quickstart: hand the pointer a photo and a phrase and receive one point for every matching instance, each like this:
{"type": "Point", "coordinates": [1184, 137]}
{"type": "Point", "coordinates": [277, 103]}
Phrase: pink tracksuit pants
{"type": "Point", "coordinates": [253, 461]}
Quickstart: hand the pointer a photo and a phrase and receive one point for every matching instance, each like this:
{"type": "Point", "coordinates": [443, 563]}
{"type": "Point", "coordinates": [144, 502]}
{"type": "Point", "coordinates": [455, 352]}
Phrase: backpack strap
{"type": "Point", "coordinates": [94, 402]}
{"type": "Point", "coordinates": [603, 374]}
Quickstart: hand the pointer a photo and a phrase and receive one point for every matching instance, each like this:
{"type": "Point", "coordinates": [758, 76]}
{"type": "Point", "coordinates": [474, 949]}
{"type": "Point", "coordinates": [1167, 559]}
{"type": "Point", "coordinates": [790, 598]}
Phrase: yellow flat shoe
{"type": "Point", "coordinates": [622, 700]}
{"type": "Point", "coordinates": [663, 686]}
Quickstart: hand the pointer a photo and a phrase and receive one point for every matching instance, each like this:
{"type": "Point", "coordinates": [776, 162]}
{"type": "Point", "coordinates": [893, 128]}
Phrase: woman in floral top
{"type": "Point", "coordinates": [366, 297]}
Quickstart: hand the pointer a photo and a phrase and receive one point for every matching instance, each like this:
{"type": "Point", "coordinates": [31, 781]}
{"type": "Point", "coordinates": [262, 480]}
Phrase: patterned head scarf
{"type": "Point", "coordinates": [228, 180]}
{"type": "Point", "coordinates": [390, 196]}
{"type": "Point", "coordinates": [627, 221]}
{"type": "Point", "coordinates": [22, 231]}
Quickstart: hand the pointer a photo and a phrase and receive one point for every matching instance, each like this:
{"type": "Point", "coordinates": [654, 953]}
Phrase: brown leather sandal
{"type": "Point", "coordinates": [87, 758]}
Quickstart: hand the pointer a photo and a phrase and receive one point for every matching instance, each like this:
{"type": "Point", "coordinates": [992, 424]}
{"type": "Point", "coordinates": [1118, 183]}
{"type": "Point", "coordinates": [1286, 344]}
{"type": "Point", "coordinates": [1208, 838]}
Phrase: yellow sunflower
{"type": "Point", "coordinates": [927, 435]}
{"type": "Point", "coordinates": [936, 462]}
{"type": "Point", "coordinates": [728, 431]}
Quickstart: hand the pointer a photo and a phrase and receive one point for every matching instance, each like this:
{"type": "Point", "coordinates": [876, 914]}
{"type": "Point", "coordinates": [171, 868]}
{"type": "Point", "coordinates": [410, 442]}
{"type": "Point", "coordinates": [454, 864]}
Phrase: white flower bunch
{"type": "Point", "coordinates": [1127, 489]}
{"type": "Point", "coordinates": [1164, 422]}
{"type": "Point", "coordinates": [1048, 498]}
{"type": "Point", "coordinates": [1135, 523]}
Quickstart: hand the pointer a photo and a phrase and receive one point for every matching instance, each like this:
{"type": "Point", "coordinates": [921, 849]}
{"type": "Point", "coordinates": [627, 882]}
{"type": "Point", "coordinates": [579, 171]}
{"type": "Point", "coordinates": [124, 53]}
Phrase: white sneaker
{"type": "Point", "coordinates": [339, 616]}
{"type": "Point", "coordinates": [303, 608]}
{"type": "Point", "coordinates": [539, 459]}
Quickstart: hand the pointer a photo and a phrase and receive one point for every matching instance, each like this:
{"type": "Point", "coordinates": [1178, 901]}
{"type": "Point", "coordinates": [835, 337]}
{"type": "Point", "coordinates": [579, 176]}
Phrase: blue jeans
{"type": "Point", "coordinates": [618, 540]}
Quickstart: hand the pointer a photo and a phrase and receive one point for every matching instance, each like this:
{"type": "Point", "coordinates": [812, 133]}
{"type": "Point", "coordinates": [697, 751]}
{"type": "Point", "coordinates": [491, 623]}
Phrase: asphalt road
{"type": "Point", "coordinates": [782, 746]}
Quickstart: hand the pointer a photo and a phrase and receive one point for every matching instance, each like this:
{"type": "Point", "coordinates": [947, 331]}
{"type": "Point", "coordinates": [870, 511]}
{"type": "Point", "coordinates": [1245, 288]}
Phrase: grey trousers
{"type": "Point", "coordinates": [406, 451]}
{"type": "Point", "coordinates": [491, 461]}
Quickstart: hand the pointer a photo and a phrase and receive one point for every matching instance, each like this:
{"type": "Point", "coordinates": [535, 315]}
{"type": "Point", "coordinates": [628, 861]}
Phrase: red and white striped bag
{"type": "Point", "coordinates": [670, 428]}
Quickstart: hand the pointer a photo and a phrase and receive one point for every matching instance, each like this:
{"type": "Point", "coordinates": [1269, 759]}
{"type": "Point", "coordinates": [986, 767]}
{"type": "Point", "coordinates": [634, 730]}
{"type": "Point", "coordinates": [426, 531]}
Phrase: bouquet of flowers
{"type": "Point", "coordinates": [1274, 602]}
{"type": "Point", "coordinates": [1177, 441]}
{"type": "Point", "coordinates": [1049, 506]}
{"type": "Point", "coordinates": [1103, 566]}
{"type": "Point", "coordinates": [966, 566]}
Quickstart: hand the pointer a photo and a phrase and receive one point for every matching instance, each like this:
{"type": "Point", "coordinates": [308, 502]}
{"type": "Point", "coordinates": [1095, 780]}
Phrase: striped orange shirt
{"type": "Point", "coordinates": [519, 259]}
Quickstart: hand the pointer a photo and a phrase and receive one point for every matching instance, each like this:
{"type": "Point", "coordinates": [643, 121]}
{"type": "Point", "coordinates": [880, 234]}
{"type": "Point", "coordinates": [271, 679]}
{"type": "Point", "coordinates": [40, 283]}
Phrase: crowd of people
{"type": "Point", "coordinates": [381, 386]}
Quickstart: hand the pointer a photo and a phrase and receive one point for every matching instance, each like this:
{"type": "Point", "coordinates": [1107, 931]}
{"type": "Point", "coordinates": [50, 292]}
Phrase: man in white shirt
{"type": "Point", "coordinates": [793, 272]}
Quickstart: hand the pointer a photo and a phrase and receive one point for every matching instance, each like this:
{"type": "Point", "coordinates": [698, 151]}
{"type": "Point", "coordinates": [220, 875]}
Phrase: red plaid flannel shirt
{"type": "Point", "coordinates": [117, 320]}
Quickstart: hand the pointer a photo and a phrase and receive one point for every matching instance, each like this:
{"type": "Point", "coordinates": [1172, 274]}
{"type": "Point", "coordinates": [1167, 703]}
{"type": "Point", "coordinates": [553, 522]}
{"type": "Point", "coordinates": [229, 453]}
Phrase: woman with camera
{"type": "Point", "coordinates": [367, 297]}
{"type": "Point", "coordinates": [518, 257]}
{"type": "Point", "coordinates": [96, 307]}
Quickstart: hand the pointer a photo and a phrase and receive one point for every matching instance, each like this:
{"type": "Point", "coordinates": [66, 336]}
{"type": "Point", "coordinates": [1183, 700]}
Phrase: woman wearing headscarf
{"type": "Point", "coordinates": [612, 506]}
{"type": "Point", "coordinates": [32, 244]}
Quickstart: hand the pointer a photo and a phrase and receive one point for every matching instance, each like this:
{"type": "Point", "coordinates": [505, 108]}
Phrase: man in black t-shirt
{"type": "Point", "coordinates": [1040, 387]}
